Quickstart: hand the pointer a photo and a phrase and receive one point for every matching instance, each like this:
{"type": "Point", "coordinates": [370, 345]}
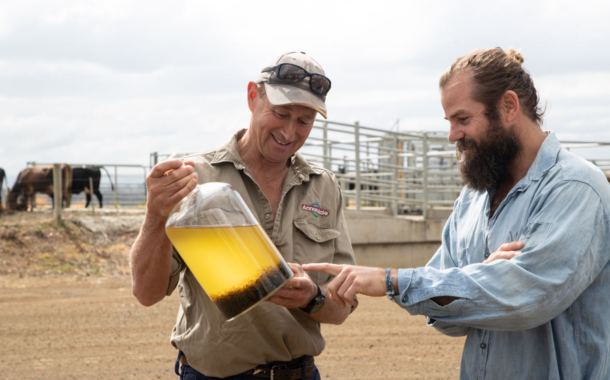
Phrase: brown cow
{"type": "Point", "coordinates": [38, 179]}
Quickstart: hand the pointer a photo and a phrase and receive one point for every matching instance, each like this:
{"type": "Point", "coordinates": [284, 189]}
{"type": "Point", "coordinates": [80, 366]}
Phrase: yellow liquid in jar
{"type": "Point", "coordinates": [224, 259]}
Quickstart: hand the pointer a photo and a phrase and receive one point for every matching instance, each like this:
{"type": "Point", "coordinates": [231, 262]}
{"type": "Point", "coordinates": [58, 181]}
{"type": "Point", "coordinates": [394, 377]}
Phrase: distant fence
{"type": "Point", "coordinates": [397, 172]}
{"type": "Point", "coordinates": [120, 185]}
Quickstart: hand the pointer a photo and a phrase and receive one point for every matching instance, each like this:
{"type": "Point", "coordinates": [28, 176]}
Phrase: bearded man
{"type": "Point", "coordinates": [538, 313]}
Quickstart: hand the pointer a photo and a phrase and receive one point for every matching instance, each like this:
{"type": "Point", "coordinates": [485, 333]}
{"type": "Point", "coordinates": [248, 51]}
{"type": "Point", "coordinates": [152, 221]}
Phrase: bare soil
{"type": "Point", "coordinates": [67, 312]}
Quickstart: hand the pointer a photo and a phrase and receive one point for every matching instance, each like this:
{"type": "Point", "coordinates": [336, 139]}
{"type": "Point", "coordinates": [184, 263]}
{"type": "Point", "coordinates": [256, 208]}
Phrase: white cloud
{"type": "Point", "coordinates": [113, 80]}
{"type": "Point", "coordinates": [575, 85]}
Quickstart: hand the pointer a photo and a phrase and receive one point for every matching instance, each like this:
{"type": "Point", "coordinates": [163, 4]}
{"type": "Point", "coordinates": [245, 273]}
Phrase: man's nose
{"type": "Point", "coordinates": [289, 130]}
{"type": "Point", "coordinates": [455, 133]}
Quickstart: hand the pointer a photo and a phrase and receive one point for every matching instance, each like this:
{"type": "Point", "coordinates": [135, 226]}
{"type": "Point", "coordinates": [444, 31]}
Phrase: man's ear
{"type": "Point", "coordinates": [509, 106]}
{"type": "Point", "coordinates": [252, 93]}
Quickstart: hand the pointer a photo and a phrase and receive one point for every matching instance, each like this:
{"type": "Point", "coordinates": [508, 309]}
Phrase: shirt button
{"type": "Point", "coordinates": [267, 216]}
{"type": "Point", "coordinates": [486, 254]}
{"type": "Point", "coordinates": [483, 346]}
{"type": "Point", "coordinates": [317, 237]}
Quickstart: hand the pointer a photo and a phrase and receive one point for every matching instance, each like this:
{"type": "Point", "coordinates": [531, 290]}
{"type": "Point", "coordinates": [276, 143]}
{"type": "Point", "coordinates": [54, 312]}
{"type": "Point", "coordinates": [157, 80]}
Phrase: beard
{"type": "Point", "coordinates": [487, 163]}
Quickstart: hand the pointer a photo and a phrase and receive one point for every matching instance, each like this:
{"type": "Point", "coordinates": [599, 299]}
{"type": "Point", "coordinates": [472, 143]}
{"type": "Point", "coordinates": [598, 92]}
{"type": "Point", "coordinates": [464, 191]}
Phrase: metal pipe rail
{"type": "Point", "coordinates": [403, 172]}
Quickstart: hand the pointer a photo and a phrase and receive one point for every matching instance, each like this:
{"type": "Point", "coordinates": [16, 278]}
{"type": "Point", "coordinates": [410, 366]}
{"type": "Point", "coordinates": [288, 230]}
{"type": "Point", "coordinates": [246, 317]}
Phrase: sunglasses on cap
{"type": "Point", "coordinates": [290, 73]}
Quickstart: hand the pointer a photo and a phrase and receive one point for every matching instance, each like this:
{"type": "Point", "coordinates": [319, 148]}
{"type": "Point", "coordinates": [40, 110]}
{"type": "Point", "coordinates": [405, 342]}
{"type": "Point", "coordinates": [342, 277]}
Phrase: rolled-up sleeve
{"type": "Point", "coordinates": [567, 244]}
{"type": "Point", "coordinates": [174, 277]}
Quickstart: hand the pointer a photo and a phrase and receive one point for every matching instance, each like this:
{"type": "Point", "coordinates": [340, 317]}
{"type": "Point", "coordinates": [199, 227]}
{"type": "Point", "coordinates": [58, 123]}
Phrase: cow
{"type": "Point", "coordinates": [80, 182]}
{"type": "Point", "coordinates": [2, 179]}
{"type": "Point", "coordinates": [38, 179]}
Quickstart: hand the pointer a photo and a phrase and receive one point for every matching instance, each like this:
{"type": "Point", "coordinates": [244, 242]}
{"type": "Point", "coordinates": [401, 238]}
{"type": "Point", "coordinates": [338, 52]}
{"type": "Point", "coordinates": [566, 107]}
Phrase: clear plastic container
{"type": "Point", "coordinates": [226, 249]}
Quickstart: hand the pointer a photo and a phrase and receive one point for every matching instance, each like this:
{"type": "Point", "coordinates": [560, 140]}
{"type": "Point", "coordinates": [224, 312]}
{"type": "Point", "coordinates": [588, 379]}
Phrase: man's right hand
{"type": "Point", "coordinates": [506, 252]}
{"type": "Point", "coordinates": [167, 183]}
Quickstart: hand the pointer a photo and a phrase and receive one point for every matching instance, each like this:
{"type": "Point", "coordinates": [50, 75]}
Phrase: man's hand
{"type": "Point", "coordinates": [297, 292]}
{"type": "Point", "coordinates": [351, 280]}
{"type": "Point", "coordinates": [167, 184]}
{"type": "Point", "coordinates": [506, 252]}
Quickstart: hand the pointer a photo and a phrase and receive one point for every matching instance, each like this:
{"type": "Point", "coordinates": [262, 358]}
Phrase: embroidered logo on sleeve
{"type": "Point", "coordinates": [315, 209]}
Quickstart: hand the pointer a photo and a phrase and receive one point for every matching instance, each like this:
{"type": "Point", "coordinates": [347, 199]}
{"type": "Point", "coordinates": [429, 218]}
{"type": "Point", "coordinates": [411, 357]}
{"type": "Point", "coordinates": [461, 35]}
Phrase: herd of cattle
{"type": "Point", "coordinates": [39, 179]}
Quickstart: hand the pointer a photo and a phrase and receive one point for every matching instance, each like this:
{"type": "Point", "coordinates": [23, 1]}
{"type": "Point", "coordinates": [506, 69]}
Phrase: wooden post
{"type": "Point", "coordinates": [92, 196]}
{"type": "Point", "coordinates": [57, 192]}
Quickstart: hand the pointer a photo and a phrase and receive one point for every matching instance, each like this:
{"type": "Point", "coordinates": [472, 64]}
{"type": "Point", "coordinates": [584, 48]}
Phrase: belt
{"type": "Point", "coordinates": [283, 371]}
{"type": "Point", "coordinates": [278, 371]}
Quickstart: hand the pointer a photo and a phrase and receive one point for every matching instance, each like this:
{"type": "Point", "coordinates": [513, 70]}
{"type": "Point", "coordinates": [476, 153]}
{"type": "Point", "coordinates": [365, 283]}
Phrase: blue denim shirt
{"type": "Point", "coordinates": [544, 314]}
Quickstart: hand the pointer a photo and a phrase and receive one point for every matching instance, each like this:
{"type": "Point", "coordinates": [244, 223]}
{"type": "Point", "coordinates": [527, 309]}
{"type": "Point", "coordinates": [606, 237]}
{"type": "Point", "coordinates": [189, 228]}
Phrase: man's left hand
{"type": "Point", "coordinates": [298, 291]}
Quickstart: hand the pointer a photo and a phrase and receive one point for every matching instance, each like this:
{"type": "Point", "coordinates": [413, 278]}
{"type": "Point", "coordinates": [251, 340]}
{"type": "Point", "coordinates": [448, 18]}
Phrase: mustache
{"type": "Point", "coordinates": [463, 144]}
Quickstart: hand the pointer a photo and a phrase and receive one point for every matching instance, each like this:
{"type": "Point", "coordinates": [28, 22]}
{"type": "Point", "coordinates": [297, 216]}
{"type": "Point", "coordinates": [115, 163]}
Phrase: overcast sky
{"type": "Point", "coordinates": [110, 81]}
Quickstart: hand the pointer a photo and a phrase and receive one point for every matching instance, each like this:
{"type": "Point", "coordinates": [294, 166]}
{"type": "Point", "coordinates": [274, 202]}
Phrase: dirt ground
{"type": "Point", "coordinates": [67, 312]}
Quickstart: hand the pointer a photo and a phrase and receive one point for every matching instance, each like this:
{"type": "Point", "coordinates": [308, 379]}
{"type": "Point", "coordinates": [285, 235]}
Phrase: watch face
{"type": "Point", "coordinates": [319, 302]}
{"type": "Point", "coordinates": [316, 303]}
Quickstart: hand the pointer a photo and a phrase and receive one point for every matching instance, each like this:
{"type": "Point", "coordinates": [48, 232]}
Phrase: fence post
{"type": "Point", "coordinates": [425, 174]}
{"type": "Point", "coordinates": [357, 148]}
{"type": "Point", "coordinates": [57, 192]}
{"type": "Point", "coordinates": [92, 196]}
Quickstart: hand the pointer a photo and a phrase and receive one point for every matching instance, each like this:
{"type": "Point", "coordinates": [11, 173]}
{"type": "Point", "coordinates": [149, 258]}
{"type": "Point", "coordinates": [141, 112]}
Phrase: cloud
{"type": "Point", "coordinates": [113, 80]}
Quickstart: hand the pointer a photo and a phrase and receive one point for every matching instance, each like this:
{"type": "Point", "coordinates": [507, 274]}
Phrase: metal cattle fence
{"type": "Point", "coordinates": [121, 186]}
{"type": "Point", "coordinates": [398, 173]}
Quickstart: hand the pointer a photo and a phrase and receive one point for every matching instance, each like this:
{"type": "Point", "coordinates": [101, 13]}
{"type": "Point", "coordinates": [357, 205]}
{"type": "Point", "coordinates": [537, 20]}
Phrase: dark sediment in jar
{"type": "Point", "coordinates": [238, 300]}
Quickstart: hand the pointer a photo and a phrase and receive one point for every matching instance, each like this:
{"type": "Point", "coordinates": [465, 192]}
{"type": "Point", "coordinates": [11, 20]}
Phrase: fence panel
{"type": "Point", "coordinates": [395, 172]}
{"type": "Point", "coordinates": [121, 186]}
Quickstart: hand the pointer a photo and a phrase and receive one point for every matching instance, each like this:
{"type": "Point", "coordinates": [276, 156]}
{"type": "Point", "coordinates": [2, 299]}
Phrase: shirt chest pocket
{"type": "Point", "coordinates": [314, 244]}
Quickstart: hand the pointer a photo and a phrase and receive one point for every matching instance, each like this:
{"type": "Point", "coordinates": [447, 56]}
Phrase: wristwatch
{"type": "Point", "coordinates": [316, 303]}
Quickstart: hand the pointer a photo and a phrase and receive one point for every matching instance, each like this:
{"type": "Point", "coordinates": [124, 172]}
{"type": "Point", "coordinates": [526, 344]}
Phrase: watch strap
{"type": "Point", "coordinates": [314, 301]}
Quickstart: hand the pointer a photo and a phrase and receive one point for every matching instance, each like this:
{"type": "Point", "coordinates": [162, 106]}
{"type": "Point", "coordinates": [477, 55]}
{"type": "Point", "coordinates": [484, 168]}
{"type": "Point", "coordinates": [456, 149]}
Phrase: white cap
{"type": "Point", "coordinates": [281, 93]}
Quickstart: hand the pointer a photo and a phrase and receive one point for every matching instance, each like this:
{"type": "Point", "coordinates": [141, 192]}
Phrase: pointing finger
{"type": "Point", "coordinates": [332, 269]}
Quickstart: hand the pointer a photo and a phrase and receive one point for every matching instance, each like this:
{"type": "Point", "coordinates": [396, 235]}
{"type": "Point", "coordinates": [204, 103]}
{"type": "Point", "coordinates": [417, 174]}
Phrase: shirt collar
{"type": "Point", "coordinates": [229, 152]}
{"type": "Point", "coordinates": [545, 159]}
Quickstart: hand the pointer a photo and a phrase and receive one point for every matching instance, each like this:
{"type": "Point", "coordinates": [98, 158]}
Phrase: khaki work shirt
{"type": "Point", "coordinates": [268, 332]}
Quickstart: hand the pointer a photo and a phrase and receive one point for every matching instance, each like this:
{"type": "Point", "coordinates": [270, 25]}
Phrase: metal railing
{"type": "Point", "coordinates": [400, 173]}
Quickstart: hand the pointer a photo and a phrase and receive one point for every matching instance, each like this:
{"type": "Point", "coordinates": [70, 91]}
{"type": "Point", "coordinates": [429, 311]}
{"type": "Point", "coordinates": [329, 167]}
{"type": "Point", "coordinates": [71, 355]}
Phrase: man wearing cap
{"type": "Point", "coordinates": [299, 205]}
